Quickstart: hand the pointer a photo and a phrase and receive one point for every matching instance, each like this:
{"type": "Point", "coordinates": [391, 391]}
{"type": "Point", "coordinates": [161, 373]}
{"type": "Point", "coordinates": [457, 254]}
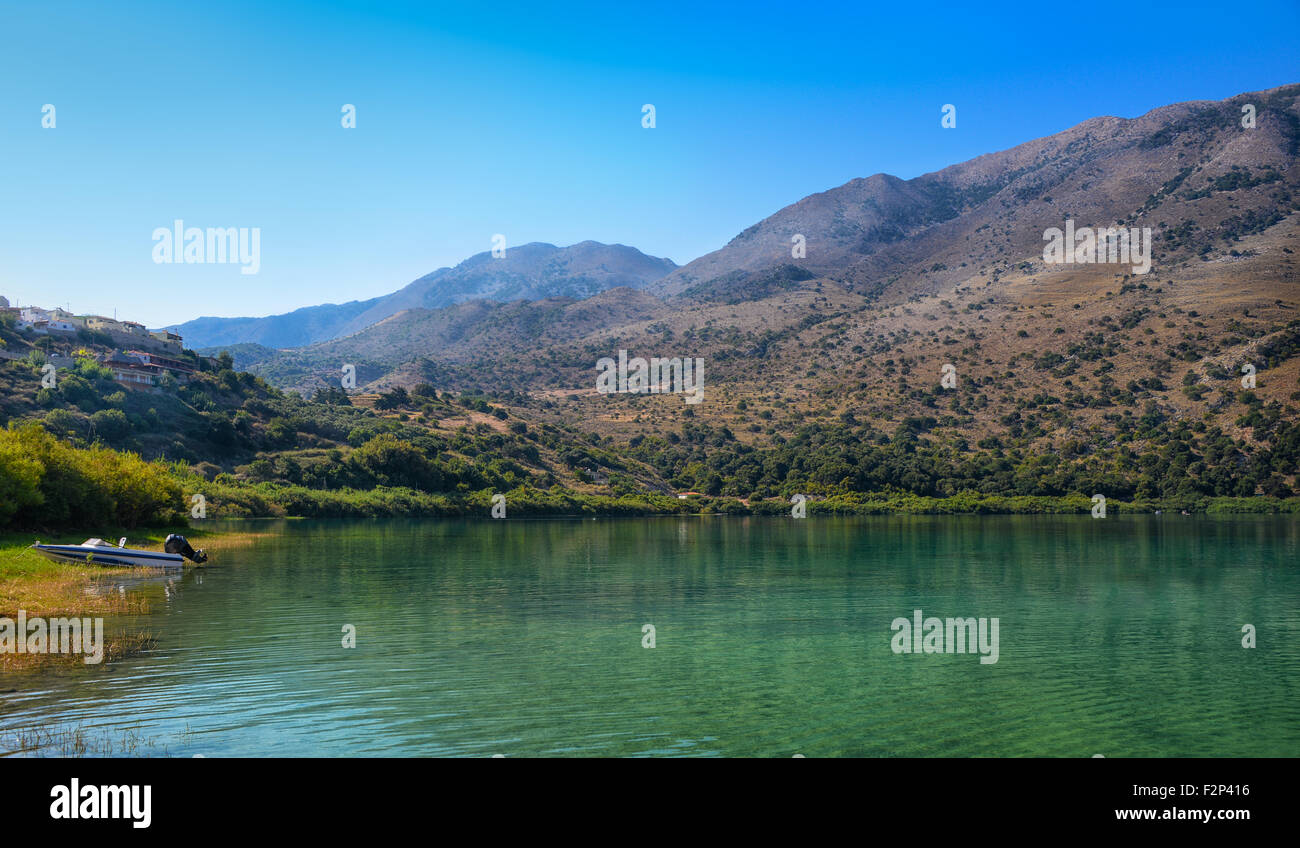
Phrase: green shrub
{"type": "Point", "coordinates": [47, 483]}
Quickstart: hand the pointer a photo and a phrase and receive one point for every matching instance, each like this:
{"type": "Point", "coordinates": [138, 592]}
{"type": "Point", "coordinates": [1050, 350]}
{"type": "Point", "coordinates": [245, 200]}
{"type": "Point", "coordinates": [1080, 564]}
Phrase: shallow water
{"type": "Point", "coordinates": [1120, 636]}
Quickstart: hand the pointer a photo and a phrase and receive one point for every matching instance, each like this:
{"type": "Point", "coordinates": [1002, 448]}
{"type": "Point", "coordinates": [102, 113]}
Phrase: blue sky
{"type": "Point", "coordinates": [526, 121]}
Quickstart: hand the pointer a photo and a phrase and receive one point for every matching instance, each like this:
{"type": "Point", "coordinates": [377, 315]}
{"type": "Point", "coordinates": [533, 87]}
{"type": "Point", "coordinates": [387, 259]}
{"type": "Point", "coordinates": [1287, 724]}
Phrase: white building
{"type": "Point", "coordinates": [44, 321]}
{"type": "Point", "coordinates": [33, 318]}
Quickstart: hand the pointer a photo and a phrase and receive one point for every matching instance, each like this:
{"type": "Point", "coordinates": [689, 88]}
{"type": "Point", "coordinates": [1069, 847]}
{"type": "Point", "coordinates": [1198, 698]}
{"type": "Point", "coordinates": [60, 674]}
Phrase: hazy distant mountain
{"type": "Point", "coordinates": [292, 329]}
{"type": "Point", "coordinates": [528, 272]}
{"type": "Point", "coordinates": [459, 336]}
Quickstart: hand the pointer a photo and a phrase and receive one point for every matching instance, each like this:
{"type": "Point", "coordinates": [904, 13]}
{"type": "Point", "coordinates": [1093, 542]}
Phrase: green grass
{"type": "Point", "coordinates": [30, 582]}
{"type": "Point", "coordinates": [41, 587]}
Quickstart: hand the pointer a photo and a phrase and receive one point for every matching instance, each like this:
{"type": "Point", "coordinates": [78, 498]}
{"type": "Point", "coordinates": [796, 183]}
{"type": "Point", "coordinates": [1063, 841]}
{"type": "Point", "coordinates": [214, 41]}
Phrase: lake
{"type": "Point", "coordinates": [773, 637]}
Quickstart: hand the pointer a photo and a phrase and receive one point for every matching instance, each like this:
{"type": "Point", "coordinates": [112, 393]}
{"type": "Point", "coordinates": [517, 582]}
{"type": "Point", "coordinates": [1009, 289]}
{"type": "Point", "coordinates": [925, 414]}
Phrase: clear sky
{"type": "Point", "coordinates": [526, 121]}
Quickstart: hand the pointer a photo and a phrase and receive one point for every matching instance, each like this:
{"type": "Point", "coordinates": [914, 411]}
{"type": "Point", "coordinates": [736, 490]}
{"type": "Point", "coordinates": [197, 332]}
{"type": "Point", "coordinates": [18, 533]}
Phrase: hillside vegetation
{"type": "Point", "coordinates": [824, 374]}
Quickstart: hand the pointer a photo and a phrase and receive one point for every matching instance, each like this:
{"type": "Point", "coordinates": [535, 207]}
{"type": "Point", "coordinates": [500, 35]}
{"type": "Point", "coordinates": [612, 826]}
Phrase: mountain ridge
{"type": "Point", "coordinates": [1077, 360]}
{"type": "Point", "coordinates": [925, 346]}
{"type": "Point", "coordinates": [871, 228]}
{"type": "Point", "coordinates": [532, 271]}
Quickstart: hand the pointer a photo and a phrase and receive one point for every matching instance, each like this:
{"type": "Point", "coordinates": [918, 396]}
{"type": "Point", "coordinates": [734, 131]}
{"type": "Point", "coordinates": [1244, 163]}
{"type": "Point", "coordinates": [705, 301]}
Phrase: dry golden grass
{"type": "Point", "coordinates": [117, 646]}
{"type": "Point", "coordinates": [63, 590]}
{"type": "Point", "coordinates": [39, 587]}
{"type": "Point", "coordinates": [223, 540]}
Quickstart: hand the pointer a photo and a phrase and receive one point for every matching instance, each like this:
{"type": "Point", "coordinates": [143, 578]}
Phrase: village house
{"type": "Point", "coordinates": [135, 328]}
{"type": "Point", "coordinates": [35, 326]}
{"type": "Point", "coordinates": [130, 369]}
{"type": "Point", "coordinates": [163, 363]}
{"type": "Point", "coordinates": [106, 325]}
{"type": "Point", "coordinates": [66, 317]}
{"type": "Point", "coordinates": [44, 321]}
{"type": "Point", "coordinates": [123, 333]}
{"type": "Point", "coordinates": [33, 317]}
{"type": "Point", "coordinates": [170, 339]}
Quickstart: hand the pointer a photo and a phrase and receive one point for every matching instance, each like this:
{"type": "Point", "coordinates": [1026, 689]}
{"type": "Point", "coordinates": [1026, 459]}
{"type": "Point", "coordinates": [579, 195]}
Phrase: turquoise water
{"type": "Point", "coordinates": [772, 637]}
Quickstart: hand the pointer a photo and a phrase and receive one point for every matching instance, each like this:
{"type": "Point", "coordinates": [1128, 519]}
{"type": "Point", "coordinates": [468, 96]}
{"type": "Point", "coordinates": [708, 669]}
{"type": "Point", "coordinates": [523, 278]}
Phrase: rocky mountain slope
{"type": "Point", "coordinates": [1180, 169]}
{"type": "Point", "coordinates": [906, 282]}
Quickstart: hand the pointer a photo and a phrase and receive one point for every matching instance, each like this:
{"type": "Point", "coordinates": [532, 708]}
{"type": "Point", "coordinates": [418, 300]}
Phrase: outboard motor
{"type": "Point", "coordinates": [176, 544]}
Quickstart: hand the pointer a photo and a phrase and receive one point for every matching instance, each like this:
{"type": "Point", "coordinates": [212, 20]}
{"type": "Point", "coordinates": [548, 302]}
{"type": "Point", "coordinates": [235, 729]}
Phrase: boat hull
{"type": "Point", "coordinates": [108, 556]}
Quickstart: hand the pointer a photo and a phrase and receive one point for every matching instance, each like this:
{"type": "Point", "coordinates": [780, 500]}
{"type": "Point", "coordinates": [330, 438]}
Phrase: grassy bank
{"type": "Point", "coordinates": [40, 587]}
{"type": "Point", "coordinates": [31, 583]}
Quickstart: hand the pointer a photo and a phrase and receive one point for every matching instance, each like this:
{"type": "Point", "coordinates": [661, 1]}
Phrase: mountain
{"type": "Point", "coordinates": [529, 272]}
{"type": "Point", "coordinates": [1219, 198]}
{"type": "Point", "coordinates": [292, 329]}
{"type": "Point", "coordinates": [924, 343]}
{"type": "Point", "coordinates": [1176, 164]}
{"type": "Point", "coordinates": [923, 346]}
{"type": "Point", "coordinates": [457, 337]}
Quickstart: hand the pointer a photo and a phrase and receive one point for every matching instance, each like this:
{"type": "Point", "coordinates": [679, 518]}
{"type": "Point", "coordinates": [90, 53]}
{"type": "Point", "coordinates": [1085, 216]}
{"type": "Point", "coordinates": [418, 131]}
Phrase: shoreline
{"type": "Point", "coordinates": [43, 588]}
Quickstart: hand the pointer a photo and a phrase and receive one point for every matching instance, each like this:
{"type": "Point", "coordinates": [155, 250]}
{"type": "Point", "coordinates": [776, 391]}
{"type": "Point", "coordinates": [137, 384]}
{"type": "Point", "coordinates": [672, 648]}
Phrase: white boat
{"type": "Point", "coordinates": [99, 552]}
